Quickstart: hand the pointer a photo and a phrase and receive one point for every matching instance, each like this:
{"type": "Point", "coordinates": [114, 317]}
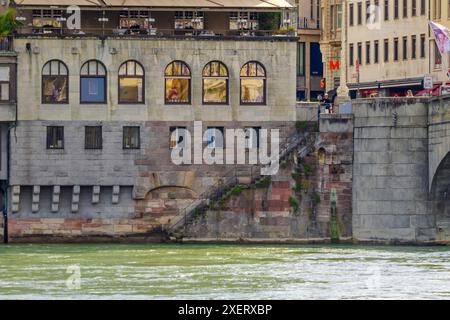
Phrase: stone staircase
{"type": "Point", "coordinates": [233, 178]}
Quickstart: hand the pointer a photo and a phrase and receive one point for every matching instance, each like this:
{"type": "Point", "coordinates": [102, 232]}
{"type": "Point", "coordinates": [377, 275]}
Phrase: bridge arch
{"type": "Point", "coordinates": [440, 199]}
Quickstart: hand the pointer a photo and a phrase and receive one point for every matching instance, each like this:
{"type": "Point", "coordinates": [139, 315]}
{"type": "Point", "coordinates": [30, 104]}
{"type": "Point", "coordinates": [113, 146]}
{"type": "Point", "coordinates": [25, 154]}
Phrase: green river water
{"type": "Point", "coordinates": [223, 272]}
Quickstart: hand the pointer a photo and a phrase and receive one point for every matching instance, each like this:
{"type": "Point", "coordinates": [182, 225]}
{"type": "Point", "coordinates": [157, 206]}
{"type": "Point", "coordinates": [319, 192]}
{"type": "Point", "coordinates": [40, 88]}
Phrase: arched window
{"type": "Point", "coordinates": [55, 82]}
{"type": "Point", "coordinates": [215, 83]}
{"type": "Point", "coordinates": [131, 82]}
{"type": "Point", "coordinates": [93, 82]}
{"type": "Point", "coordinates": [253, 84]}
{"type": "Point", "coordinates": [177, 83]}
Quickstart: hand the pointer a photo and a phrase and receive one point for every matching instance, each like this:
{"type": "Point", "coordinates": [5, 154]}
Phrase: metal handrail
{"type": "Point", "coordinates": [221, 187]}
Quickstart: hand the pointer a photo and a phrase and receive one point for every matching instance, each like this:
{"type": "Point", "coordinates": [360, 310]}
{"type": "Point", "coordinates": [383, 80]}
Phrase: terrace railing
{"type": "Point", "coordinates": [151, 32]}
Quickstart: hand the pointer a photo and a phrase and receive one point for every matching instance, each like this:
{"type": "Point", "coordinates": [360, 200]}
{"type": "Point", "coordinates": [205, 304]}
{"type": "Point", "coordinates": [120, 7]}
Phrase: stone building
{"type": "Point", "coordinates": [101, 102]}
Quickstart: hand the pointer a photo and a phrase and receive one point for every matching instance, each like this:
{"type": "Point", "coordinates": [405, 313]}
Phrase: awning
{"type": "Point", "coordinates": [62, 3]}
{"type": "Point", "coordinates": [271, 4]}
{"type": "Point", "coordinates": [213, 4]}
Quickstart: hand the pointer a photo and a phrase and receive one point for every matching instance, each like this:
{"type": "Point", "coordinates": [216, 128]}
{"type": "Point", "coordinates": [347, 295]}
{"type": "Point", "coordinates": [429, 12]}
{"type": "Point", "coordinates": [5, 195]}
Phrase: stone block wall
{"type": "Point", "coordinates": [267, 213]}
{"type": "Point", "coordinates": [390, 171]}
{"type": "Point", "coordinates": [108, 193]}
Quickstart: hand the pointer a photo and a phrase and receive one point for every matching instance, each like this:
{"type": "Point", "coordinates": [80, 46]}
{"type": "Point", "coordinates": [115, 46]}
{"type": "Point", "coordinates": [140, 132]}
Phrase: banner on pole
{"type": "Point", "coordinates": [441, 37]}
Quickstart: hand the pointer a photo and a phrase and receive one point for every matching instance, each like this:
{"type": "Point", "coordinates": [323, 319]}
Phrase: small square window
{"type": "Point", "coordinates": [131, 138]}
{"type": "Point", "coordinates": [252, 136]}
{"type": "Point", "coordinates": [215, 137]}
{"type": "Point", "coordinates": [93, 138]}
{"type": "Point", "coordinates": [177, 137]}
{"type": "Point", "coordinates": [55, 137]}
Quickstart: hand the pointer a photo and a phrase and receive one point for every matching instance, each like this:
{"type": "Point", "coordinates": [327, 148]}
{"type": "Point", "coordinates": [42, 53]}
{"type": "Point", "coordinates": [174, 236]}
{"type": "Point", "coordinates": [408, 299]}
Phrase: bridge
{"type": "Point", "coordinates": [401, 188]}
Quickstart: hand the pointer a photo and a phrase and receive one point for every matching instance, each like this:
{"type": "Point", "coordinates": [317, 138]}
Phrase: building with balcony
{"type": "Point", "coordinates": [309, 56]}
{"type": "Point", "coordinates": [330, 42]}
{"type": "Point", "coordinates": [104, 94]}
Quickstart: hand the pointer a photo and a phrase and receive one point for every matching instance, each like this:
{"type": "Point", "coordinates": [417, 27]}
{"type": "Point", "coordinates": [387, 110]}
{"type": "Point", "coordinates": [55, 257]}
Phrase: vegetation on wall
{"type": "Point", "coordinates": [8, 23]}
{"type": "Point", "coordinates": [269, 21]}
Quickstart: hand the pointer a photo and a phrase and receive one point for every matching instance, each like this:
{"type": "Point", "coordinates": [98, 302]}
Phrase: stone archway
{"type": "Point", "coordinates": [160, 196]}
{"type": "Point", "coordinates": [440, 200]}
{"type": "Point", "coordinates": [162, 204]}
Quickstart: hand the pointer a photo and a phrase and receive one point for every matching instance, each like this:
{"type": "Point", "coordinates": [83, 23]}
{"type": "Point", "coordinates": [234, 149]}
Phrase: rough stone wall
{"type": "Point", "coordinates": [68, 193]}
{"type": "Point", "coordinates": [267, 214]}
{"type": "Point", "coordinates": [390, 171]}
{"type": "Point", "coordinates": [335, 179]}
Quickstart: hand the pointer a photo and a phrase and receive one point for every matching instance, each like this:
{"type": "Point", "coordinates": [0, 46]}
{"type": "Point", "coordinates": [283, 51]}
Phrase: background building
{"type": "Point", "coordinates": [330, 42]}
{"type": "Point", "coordinates": [309, 56]}
{"type": "Point", "coordinates": [388, 46]}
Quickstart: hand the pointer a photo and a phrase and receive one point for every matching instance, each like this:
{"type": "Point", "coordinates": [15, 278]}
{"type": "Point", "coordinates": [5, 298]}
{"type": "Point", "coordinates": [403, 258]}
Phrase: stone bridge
{"type": "Point", "coordinates": [401, 189]}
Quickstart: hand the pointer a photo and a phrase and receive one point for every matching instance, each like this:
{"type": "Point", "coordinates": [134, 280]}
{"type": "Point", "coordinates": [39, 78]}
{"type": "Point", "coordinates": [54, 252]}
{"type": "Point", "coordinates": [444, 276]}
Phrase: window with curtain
{"type": "Point", "coordinates": [253, 84]}
{"type": "Point", "coordinates": [131, 82]}
{"type": "Point", "coordinates": [215, 83]}
{"type": "Point", "coordinates": [93, 82]}
{"type": "Point", "coordinates": [177, 83]}
{"type": "Point", "coordinates": [55, 82]}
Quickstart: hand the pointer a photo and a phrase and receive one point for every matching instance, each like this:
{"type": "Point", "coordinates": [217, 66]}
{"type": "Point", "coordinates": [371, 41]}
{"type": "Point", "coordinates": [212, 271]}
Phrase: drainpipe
{"type": "Point", "coordinates": [6, 187]}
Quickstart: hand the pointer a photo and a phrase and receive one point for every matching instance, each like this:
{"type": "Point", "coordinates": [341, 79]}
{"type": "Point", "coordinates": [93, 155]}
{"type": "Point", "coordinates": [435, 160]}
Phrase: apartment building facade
{"type": "Point", "coordinates": [330, 43]}
{"type": "Point", "coordinates": [100, 107]}
{"type": "Point", "coordinates": [388, 46]}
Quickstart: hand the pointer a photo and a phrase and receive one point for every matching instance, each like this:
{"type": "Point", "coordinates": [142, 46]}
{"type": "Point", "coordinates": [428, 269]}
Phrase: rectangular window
{"type": "Point", "coordinates": [55, 137]}
{"type": "Point", "coordinates": [405, 8]}
{"type": "Point", "coordinates": [215, 137]}
{"type": "Point", "coordinates": [422, 7]}
{"type": "Point", "coordinates": [413, 47]}
{"type": "Point", "coordinates": [368, 52]}
{"type": "Point", "coordinates": [367, 10]}
{"type": "Point", "coordinates": [177, 91]}
{"type": "Point", "coordinates": [351, 14]}
{"type": "Point", "coordinates": [131, 90]}
{"type": "Point", "coordinates": [131, 138]}
{"type": "Point", "coordinates": [422, 45]}
{"type": "Point", "coordinates": [413, 8]}
{"type": "Point", "coordinates": [338, 16]}
{"type": "Point", "coordinates": [359, 52]}
{"type": "Point", "coordinates": [395, 49]}
{"type": "Point", "coordinates": [252, 137]}
{"type": "Point", "coordinates": [437, 57]}
{"type": "Point", "coordinates": [438, 7]}
{"type": "Point", "coordinates": [386, 50]}
{"type": "Point", "coordinates": [359, 13]}
{"type": "Point", "coordinates": [300, 59]}
{"type": "Point", "coordinates": [93, 137]}
{"type": "Point", "coordinates": [4, 83]}
{"type": "Point", "coordinates": [177, 137]}
{"type": "Point", "coordinates": [215, 90]}
{"type": "Point", "coordinates": [386, 10]}
{"type": "Point", "coordinates": [93, 90]}
{"type": "Point", "coordinates": [55, 89]}
{"type": "Point", "coordinates": [395, 9]}
{"type": "Point", "coordinates": [405, 48]}
{"type": "Point", "coordinates": [375, 51]}
{"type": "Point", "coordinates": [351, 56]}
{"type": "Point", "coordinates": [252, 91]}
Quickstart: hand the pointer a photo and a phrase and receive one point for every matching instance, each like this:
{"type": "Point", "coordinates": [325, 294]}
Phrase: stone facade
{"type": "Point", "coordinates": [390, 189]}
{"type": "Point", "coordinates": [318, 182]}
